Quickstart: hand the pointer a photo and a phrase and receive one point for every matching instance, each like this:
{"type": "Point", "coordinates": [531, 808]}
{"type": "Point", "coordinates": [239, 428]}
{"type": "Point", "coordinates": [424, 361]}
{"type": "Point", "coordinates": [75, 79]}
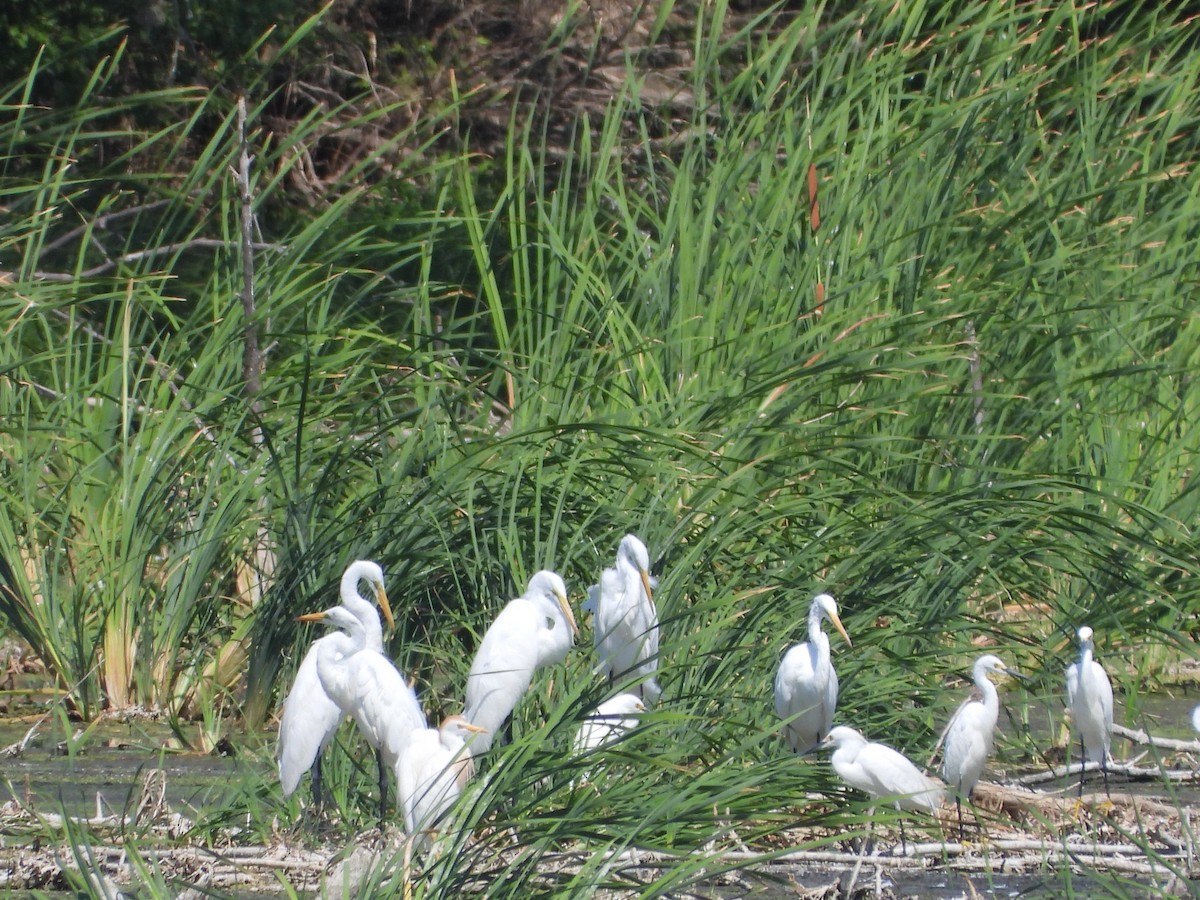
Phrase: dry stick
{"type": "Point", "coordinates": [134, 255]}
{"type": "Point", "coordinates": [1129, 770]}
{"type": "Point", "coordinates": [252, 356]}
{"type": "Point", "coordinates": [1145, 738]}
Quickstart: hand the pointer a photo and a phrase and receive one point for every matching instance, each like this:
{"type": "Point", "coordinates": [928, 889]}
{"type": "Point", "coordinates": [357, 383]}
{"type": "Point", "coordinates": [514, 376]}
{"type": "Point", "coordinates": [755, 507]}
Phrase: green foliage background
{"type": "Point", "coordinates": [981, 432]}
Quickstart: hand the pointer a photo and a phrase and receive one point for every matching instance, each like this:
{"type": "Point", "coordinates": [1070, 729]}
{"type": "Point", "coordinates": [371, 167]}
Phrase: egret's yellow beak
{"type": "Point", "coordinates": [649, 591]}
{"type": "Point", "coordinates": [311, 617]}
{"type": "Point", "coordinates": [477, 729]}
{"type": "Point", "coordinates": [381, 596]}
{"type": "Point", "coordinates": [837, 623]}
{"type": "Point", "coordinates": [565, 606]}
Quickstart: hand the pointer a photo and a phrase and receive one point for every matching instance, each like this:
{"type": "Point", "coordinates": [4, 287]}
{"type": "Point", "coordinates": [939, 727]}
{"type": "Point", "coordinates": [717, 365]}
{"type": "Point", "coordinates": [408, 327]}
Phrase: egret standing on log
{"type": "Point", "coordinates": [310, 718]}
{"type": "Point", "coordinates": [625, 620]}
{"type": "Point", "coordinates": [534, 630]}
{"type": "Point", "coordinates": [1090, 699]}
{"type": "Point", "coordinates": [969, 734]}
{"type": "Point", "coordinates": [806, 685]}
{"type": "Point", "coordinates": [882, 773]}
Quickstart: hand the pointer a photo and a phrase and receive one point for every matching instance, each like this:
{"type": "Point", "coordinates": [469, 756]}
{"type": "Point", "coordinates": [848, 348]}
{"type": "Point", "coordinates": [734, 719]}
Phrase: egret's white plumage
{"type": "Point", "coordinates": [534, 630]}
{"type": "Point", "coordinates": [969, 734]}
{"type": "Point", "coordinates": [434, 767]}
{"type": "Point", "coordinates": [625, 619]}
{"type": "Point", "coordinates": [367, 687]}
{"type": "Point", "coordinates": [1196, 718]}
{"type": "Point", "coordinates": [310, 718]}
{"type": "Point", "coordinates": [610, 720]}
{"type": "Point", "coordinates": [806, 685]}
{"type": "Point", "coordinates": [1090, 700]}
{"type": "Point", "coordinates": [881, 772]}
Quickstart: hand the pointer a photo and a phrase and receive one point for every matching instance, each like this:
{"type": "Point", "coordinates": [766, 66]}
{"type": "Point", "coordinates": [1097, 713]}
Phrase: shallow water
{"type": "Point", "coordinates": [110, 770]}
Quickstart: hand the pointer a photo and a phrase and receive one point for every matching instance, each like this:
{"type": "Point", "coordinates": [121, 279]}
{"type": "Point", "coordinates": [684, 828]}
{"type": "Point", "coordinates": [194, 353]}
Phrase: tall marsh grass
{"type": "Point", "coordinates": [959, 395]}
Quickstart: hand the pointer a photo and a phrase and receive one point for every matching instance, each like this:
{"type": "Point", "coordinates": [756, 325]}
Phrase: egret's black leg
{"type": "Point", "coordinates": [958, 804]}
{"type": "Point", "coordinates": [507, 734]}
{"type": "Point", "coordinates": [1104, 770]}
{"type": "Point", "coordinates": [318, 800]}
{"type": "Point", "coordinates": [1082, 766]}
{"type": "Point", "coordinates": [383, 787]}
{"type": "Point", "coordinates": [903, 842]}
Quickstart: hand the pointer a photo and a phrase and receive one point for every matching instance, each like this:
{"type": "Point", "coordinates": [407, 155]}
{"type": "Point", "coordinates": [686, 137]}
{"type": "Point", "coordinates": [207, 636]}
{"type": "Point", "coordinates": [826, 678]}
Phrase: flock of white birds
{"type": "Point", "coordinates": [346, 674]}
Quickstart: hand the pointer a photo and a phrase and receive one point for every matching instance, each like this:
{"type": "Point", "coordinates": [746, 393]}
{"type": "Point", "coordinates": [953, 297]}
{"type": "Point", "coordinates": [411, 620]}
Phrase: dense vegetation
{"type": "Point", "coordinates": [897, 303]}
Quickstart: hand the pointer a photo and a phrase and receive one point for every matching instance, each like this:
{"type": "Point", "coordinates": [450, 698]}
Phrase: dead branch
{"type": "Point", "coordinates": [134, 255]}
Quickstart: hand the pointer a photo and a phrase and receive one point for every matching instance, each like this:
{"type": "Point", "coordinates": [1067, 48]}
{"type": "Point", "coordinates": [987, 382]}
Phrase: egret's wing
{"type": "Point", "coordinates": [800, 694]}
{"type": "Point", "coordinates": [892, 774]}
{"type": "Point", "coordinates": [1072, 683]}
{"type": "Point", "coordinates": [409, 779]}
{"type": "Point", "coordinates": [502, 668]}
{"type": "Point", "coordinates": [308, 721]}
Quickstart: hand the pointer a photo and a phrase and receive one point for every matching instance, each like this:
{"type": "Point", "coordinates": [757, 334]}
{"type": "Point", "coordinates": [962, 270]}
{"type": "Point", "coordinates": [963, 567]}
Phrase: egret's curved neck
{"type": "Point", "coordinates": [991, 699]}
{"type": "Point", "coordinates": [816, 636]}
{"type": "Point", "coordinates": [364, 610]}
{"type": "Point", "coordinates": [1085, 658]}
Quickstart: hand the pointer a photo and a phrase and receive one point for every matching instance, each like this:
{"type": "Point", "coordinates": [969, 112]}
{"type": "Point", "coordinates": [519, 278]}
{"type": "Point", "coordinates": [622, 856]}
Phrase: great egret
{"type": "Point", "coordinates": [1196, 718]}
{"type": "Point", "coordinates": [434, 767]}
{"type": "Point", "coordinates": [611, 719]}
{"type": "Point", "coordinates": [806, 685]}
{"type": "Point", "coordinates": [310, 718]}
{"type": "Point", "coordinates": [366, 686]}
{"type": "Point", "coordinates": [969, 734]}
{"type": "Point", "coordinates": [1090, 699]}
{"type": "Point", "coordinates": [534, 630]}
{"type": "Point", "coordinates": [625, 619]}
{"type": "Point", "coordinates": [881, 772]}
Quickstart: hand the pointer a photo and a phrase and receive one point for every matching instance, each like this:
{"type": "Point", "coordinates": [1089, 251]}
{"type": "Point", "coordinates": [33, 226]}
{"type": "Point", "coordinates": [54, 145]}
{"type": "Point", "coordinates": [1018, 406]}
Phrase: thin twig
{"type": "Point", "coordinates": [134, 255]}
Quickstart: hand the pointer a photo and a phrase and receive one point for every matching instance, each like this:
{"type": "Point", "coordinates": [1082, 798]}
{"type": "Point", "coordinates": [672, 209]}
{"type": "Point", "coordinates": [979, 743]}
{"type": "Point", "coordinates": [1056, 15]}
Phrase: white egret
{"type": "Point", "coordinates": [434, 767]}
{"type": "Point", "coordinates": [610, 720]}
{"type": "Point", "coordinates": [625, 620]}
{"type": "Point", "coordinates": [969, 734]}
{"type": "Point", "coordinates": [1090, 699]}
{"type": "Point", "coordinates": [1196, 718]}
{"type": "Point", "coordinates": [366, 686]}
{"type": "Point", "coordinates": [881, 772]}
{"type": "Point", "coordinates": [534, 630]}
{"type": "Point", "coordinates": [806, 685]}
{"type": "Point", "coordinates": [310, 718]}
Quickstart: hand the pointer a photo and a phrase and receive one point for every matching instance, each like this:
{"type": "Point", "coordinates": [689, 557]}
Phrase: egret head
{"type": "Point", "coordinates": [633, 551]}
{"type": "Point", "coordinates": [841, 735]}
{"type": "Point", "coordinates": [824, 606]}
{"type": "Point", "coordinates": [1085, 635]}
{"type": "Point", "coordinates": [989, 663]}
{"type": "Point", "coordinates": [546, 585]}
{"type": "Point", "coordinates": [459, 726]}
{"type": "Point", "coordinates": [337, 616]}
{"type": "Point", "coordinates": [370, 572]}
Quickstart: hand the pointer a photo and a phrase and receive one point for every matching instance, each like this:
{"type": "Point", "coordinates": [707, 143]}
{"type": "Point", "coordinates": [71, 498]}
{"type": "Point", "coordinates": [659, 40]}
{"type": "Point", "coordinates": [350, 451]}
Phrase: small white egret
{"type": "Point", "coordinates": [806, 685]}
{"type": "Point", "coordinates": [610, 720]}
{"type": "Point", "coordinates": [882, 773]}
{"type": "Point", "coordinates": [366, 686]}
{"type": "Point", "coordinates": [434, 767]}
{"type": "Point", "coordinates": [1196, 718]}
{"type": "Point", "coordinates": [310, 718]}
{"type": "Point", "coordinates": [625, 620]}
{"type": "Point", "coordinates": [969, 734]}
{"type": "Point", "coordinates": [1090, 700]}
{"type": "Point", "coordinates": [534, 630]}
